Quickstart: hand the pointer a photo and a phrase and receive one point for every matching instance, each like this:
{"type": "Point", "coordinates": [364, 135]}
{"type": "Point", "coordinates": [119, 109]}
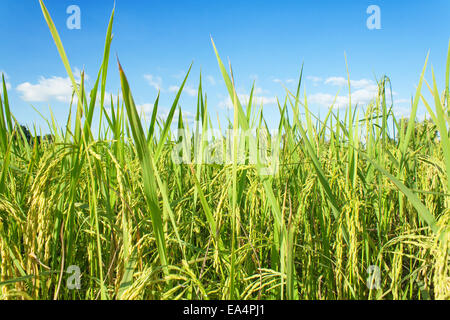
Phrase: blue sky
{"type": "Point", "coordinates": [266, 42]}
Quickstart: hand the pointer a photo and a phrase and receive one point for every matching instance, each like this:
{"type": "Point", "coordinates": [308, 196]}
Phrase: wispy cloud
{"type": "Point", "coordinates": [360, 97]}
{"type": "Point", "coordinates": [108, 96]}
{"type": "Point", "coordinates": [154, 81]}
{"type": "Point", "coordinates": [211, 80]}
{"type": "Point", "coordinates": [259, 91]}
{"type": "Point", "coordinates": [287, 81]}
{"type": "Point", "coordinates": [357, 84]}
{"type": "Point", "coordinates": [180, 75]}
{"type": "Point", "coordinates": [244, 98]}
{"type": "Point", "coordinates": [405, 112]}
{"type": "Point", "coordinates": [145, 110]}
{"type": "Point", "coordinates": [157, 83]}
{"type": "Point", "coordinates": [188, 89]}
{"type": "Point", "coordinates": [363, 91]}
{"type": "Point", "coordinates": [401, 101]}
{"type": "Point", "coordinates": [315, 80]}
{"type": "Point", "coordinates": [328, 100]}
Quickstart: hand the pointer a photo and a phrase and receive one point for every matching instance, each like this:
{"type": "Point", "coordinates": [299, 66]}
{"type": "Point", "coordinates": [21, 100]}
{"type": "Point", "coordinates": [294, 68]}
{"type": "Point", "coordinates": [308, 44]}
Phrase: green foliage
{"type": "Point", "coordinates": [348, 195]}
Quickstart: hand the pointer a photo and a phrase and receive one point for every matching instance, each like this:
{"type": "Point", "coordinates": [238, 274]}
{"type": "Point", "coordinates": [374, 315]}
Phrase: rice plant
{"type": "Point", "coordinates": [346, 207]}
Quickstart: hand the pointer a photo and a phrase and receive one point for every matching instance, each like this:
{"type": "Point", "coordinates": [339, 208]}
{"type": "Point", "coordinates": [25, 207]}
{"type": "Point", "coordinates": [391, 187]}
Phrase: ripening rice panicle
{"type": "Point", "coordinates": [3, 268]}
{"type": "Point", "coordinates": [441, 279]}
{"type": "Point", "coordinates": [44, 195]}
{"type": "Point", "coordinates": [9, 217]}
{"type": "Point", "coordinates": [396, 271]}
{"type": "Point", "coordinates": [4, 255]}
{"type": "Point", "coordinates": [339, 256]}
{"type": "Point", "coordinates": [354, 230]}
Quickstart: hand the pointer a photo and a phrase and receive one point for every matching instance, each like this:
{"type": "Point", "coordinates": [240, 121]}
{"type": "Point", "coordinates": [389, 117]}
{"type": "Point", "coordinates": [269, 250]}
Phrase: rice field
{"type": "Point", "coordinates": [353, 205]}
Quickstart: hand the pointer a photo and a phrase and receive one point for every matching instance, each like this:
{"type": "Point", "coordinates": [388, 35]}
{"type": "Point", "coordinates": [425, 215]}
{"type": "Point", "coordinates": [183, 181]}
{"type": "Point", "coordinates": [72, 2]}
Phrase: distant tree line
{"type": "Point", "coordinates": [22, 133]}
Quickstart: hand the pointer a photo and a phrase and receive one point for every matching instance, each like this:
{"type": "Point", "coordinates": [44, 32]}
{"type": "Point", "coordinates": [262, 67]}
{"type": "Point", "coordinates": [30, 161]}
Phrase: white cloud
{"type": "Point", "coordinates": [284, 82]}
{"type": "Point", "coordinates": [259, 91]}
{"type": "Point", "coordinates": [59, 89]}
{"type": "Point", "coordinates": [360, 97]}
{"type": "Point", "coordinates": [211, 80]}
{"type": "Point", "coordinates": [364, 95]}
{"type": "Point", "coordinates": [187, 116]}
{"type": "Point", "coordinates": [77, 74]}
{"type": "Point", "coordinates": [107, 101]}
{"type": "Point", "coordinates": [244, 99]}
{"type": "Point", "coordinates": [326, 100]}
{"type": "Point", "coordinates": [356, 84]}
{"type": "Point", "coordinates": [180, 75]}
{"type": "Point", "coordinates": [50, 89]}
{"type": "Point", "coordinates": [336, 81]}
{"type": "Point", "coordinates": [363, 91]}
{"type": "Point", "coordinates": [314, 79]}
{"type": "Point", "coordinates": [363, 83]}
{"type": "Point", "coordinates": [401, 101]}
{"type": "Point", "coordinates": [402, 112]}
{"type": "Point", "coordinates": [188, 89]}
{"type": "Point", "coordinates": [145, 110]}
{"type": "Point", "coordinates": [47, 89]}
{"type": "Point", "coordinates": [155, 82]}
{"type": "Point", "coordinates": [265, 100]}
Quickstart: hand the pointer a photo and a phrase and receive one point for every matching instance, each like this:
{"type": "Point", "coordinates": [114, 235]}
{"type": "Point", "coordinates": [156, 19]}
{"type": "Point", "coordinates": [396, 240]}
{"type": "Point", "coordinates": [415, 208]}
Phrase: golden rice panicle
{"type": "Point", "coordinates": [441, 278]}
{"type": "Point", "coordinates": [44, 195]}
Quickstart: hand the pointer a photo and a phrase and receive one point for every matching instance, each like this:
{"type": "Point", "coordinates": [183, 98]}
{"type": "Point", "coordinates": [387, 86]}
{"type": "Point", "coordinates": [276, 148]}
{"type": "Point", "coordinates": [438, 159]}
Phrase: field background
{"type": "Point", "coordinates": [359, 200]}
